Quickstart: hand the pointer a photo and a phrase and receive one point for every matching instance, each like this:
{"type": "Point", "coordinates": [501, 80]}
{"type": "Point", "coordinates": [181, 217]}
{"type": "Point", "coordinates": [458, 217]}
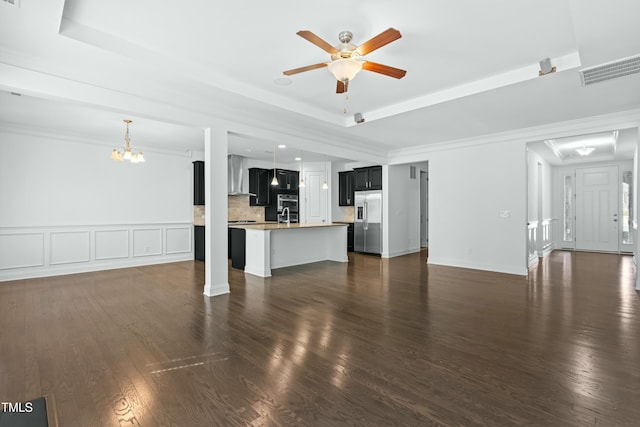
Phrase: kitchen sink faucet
{"type": "Point", "coordinates": [288, 217]}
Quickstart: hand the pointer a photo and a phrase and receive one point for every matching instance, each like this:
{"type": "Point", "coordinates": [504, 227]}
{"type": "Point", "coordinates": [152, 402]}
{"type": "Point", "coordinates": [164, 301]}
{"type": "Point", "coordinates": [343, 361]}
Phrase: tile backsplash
{"type": "Point", "coordinates": [198, 215]}
{"type": "Point", "coordinates": [239, 209]}
{"type": "Point", "coordinates": [349, 214]}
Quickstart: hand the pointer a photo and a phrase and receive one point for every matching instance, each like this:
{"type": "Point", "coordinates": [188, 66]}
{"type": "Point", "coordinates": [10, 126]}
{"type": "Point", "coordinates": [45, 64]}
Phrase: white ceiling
{"type": "Point", "coordinates": [172, 67]}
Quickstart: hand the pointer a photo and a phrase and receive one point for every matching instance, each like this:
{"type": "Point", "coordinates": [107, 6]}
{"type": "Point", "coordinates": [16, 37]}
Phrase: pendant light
{"type": "Point", "coordinates": [125, 153]}
{"type": "Point", "coordinates": [274, 181]}
{"type": "Point", "coordinates": [325, 186]}
{"type": "Point", "coordinates": [301, 183]}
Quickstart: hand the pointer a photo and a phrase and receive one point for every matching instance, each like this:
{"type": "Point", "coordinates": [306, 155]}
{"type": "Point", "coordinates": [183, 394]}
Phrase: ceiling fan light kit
{"type": "Point", "coordinates": [345, 69]}
{"type": "Point", "coordinates": [346, 58]}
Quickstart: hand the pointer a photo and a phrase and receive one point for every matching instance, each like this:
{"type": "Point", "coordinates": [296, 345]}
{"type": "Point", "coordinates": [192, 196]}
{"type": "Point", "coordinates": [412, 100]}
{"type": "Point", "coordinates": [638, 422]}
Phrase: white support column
{"type": "Point", "coordinates": [386, 188]}
{"type": "Point", "coordinates": [636, 206]}
{"type": "Point", "coordinates": [216, 280]}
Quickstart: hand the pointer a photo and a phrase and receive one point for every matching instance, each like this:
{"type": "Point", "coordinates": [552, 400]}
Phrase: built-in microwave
{"type": "Point", "coordinates": [287, 201]}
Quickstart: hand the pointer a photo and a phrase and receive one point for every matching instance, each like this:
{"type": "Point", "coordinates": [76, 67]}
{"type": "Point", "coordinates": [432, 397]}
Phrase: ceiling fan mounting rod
{"type": "Point", "coordinates": [345, 36]}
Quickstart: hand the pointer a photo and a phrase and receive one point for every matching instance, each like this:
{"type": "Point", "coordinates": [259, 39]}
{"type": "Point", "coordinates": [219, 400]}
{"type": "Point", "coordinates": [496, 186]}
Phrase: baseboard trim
{"type": "Point", "coordinates": [507, 269]}
{"type": "Point", "coordinates": [216, 290]}
{"type": "Point", "coordinates": [400, 253]}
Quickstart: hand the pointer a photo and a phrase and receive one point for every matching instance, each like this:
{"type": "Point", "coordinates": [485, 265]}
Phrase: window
{"type": "Point", "coordinates": [567, 217]}
{"type": "Point", "coordinates": [627, 207]}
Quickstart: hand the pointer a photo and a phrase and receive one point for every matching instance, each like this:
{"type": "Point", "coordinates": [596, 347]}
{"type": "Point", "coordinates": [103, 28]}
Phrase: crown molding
{"type": "Point", "coordinates": [586, 125]}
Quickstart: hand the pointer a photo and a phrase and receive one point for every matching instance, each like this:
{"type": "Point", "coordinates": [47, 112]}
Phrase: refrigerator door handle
{"type": "Point", "coordinates": [366, 219]}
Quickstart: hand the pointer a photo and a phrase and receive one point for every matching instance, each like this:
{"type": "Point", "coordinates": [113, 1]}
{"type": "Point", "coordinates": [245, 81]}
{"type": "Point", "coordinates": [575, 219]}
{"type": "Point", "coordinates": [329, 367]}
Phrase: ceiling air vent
{"type": "Point", "coordinates": [611, 70]}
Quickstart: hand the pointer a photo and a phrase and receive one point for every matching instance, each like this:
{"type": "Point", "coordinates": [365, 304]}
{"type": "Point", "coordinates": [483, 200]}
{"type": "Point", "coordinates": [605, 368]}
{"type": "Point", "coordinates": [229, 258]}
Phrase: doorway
{"type": "Point", "coordinates": [424, 209]}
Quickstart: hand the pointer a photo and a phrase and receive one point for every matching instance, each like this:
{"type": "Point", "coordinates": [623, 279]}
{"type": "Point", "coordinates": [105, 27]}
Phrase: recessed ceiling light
{"type": "Point", "coordinates": [282, 146]}
{"type": "Point", "coordinates": [282, 81]}
{"type": "Point", "coordinates": [298, 159]}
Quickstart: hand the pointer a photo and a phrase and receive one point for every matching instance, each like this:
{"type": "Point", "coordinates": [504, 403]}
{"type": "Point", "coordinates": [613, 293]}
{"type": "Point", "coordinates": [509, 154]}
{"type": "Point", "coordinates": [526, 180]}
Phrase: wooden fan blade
{"type": "Point", "coordinates": [378, 41]}
{"type": "Point", "coordinates": [383, 69]}
{"type": "Point", "coordinates": [308, 35]}
{"type": "Point", "coordinates": [342, 87]}
{"type": "Point", "coordinates": [302, 69]}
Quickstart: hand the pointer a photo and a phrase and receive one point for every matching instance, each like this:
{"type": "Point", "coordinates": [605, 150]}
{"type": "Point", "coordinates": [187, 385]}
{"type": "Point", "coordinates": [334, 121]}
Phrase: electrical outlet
{"type": "Point", "coordinates": [505, 214]}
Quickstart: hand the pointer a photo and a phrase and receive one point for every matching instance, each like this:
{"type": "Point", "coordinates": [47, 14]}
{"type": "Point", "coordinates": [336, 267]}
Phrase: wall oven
{"type": "Point", "coordinates": [288, 201]}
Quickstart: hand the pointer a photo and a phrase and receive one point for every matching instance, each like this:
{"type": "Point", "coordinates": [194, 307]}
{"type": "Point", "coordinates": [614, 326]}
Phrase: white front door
{"type": "Point", "coordinates": [597, 209]}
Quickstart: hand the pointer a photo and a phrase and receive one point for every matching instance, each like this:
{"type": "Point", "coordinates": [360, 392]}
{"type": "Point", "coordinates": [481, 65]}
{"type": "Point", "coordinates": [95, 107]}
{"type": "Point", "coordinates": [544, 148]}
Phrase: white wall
{"type": "Point", "coordinates": [532, 184]}
{"type": "Point", "coordinates": [66, 207]}
{"type": "Point", "coordinates": [468, 187]}
{"type": "Point", "coordinates": [402, 213]}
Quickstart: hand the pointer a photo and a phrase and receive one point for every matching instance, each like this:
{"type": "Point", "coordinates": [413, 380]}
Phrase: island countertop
{"type": "Point", "coordinates": [275, 226]}
{"type": "Point", "coordinates": [267, 247]}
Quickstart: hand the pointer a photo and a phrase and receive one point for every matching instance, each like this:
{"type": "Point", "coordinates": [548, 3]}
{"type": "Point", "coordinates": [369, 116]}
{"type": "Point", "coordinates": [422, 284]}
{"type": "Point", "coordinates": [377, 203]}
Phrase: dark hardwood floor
{"type": "Point", "coordinates": [376, 342]}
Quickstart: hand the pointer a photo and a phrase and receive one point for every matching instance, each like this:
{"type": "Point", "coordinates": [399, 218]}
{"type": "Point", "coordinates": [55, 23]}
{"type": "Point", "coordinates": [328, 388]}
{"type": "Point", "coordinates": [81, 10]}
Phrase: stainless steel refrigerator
{"type": "Point", "coordinates": [368, 222]}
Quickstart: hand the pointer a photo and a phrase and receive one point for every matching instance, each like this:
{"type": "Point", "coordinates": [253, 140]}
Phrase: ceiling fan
{"type": "Point", "coordinates": [347, 59]}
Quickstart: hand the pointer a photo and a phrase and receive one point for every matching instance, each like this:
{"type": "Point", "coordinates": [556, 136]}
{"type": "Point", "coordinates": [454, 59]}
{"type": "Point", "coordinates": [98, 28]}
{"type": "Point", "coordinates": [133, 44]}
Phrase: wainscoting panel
{"type": "Point", "coordinates": [21, 250]}
{"type": "Point", "coordinates": [178, 240]}
{"type": "Point", "coordinates": [27, 252]}
{"type": "Point", "coordinates": [147, 242]}
{"type": "Point", "coordinates": [112, 244]}
{"type": "Point", "coordinates": [69, 247]}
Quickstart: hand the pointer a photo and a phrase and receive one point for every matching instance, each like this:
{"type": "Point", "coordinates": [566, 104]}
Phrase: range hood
{"type": "Point", "coordinates": [235, 173]}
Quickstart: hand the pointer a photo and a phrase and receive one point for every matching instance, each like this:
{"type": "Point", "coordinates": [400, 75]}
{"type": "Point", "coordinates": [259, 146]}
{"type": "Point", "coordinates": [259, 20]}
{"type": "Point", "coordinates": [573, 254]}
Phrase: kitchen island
{"type": "Point", "coordinates": [269, 246]}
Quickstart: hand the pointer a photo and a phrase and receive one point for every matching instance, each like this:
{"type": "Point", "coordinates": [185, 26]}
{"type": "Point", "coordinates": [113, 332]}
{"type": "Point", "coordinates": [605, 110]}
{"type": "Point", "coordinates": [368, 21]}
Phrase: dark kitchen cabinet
{"type": "Point", "coordinates": [288, 180]}
{"type": "Point", "coordinates": [345, 188]}
{"type": "Point", "coordinates": [375, 178]}
{"type": "Point", "coordinates": [198, 182]}
{"type": "Point", "coordinates": [199, 242]}
{"type": "Point", "coordinates": [238, 252]}
{"type": "Point", "coordinates": [368, 178]}
{"type": "Point", "coordinates": [260, 186]}
{"type": "Point", "coordinates": [350, 237]}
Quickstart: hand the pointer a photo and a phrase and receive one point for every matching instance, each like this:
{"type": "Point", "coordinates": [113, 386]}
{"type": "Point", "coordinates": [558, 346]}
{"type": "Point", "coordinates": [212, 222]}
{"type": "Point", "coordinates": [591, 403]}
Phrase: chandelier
{"type": "Point", "coordinates": [125, 153]}
{"type": "Point", "coordinates": [584, 150]}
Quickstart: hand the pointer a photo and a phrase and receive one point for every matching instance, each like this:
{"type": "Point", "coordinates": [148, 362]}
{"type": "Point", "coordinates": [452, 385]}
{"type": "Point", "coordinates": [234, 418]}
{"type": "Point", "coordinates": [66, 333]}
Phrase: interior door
{"type": "Point", "coordinates": [597, 209]}
{"type": "Point", "coordinates": [315, 198]}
